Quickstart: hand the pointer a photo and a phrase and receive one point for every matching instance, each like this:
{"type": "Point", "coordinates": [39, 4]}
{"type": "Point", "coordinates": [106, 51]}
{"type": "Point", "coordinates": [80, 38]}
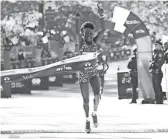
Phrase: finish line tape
{"type": "Point", "coordinates": [82, 131]}
{"type": "Point", "coordinates": [84, 63]}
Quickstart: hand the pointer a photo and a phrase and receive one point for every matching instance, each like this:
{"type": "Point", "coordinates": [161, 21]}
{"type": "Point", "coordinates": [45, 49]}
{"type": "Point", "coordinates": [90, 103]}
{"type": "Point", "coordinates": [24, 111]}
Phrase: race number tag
{"type": "Point", "coordinates": [100, 67]}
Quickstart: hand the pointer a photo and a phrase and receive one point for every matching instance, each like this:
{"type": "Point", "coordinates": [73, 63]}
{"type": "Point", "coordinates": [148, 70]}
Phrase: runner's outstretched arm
{"type": "Point", "coordinates": [77, 46]}
{"type": "Point", "coordinates": [101, 32]}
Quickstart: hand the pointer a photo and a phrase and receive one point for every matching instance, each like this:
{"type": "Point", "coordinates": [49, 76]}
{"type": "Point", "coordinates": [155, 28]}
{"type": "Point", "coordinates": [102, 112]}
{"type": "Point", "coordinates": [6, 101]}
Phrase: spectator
{"type": "Point", "coordinates": [21, 58]}
{"type": "Point", "coordinates": [45, 53]}
{"type": "Point", "coordinates": [21, 55]}
{"type": "Point", "coordinates": [13, 57]}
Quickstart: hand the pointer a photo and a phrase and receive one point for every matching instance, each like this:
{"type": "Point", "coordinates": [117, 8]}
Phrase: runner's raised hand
{"type": "Point", "coordinates": [100, 10]}
{"type": "Point", "coordinates": [77, 15]}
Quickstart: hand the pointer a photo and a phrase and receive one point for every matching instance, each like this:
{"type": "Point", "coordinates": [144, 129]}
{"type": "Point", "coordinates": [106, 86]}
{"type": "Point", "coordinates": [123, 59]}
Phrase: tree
{"type": "Point", "coordinates": [153, 13]}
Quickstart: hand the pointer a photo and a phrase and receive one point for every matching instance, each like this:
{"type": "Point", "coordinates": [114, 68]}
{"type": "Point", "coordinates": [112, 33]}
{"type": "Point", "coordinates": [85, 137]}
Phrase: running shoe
{"type": "Point", "coordinates": [95, 121]}
{"type": "Point", "coordinates": [87, 127]}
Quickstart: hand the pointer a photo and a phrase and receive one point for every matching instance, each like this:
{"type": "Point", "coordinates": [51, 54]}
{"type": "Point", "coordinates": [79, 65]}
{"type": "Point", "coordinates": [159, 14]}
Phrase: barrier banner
{"type": "Point", "coordinates": [39, 83]}
{"type": "Point", "coordinates": [21, 87]}
{"type": "Point", "coordinates": [83, 63]}
{"type": "Point", "coordinates": [56, 80]}
{"type": "Point", "coordinates": [70, 78]}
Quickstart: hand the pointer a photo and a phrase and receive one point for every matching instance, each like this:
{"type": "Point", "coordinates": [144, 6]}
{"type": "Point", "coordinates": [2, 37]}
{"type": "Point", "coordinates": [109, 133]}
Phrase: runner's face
{"type": "Point", "coordinates": [88, 34]}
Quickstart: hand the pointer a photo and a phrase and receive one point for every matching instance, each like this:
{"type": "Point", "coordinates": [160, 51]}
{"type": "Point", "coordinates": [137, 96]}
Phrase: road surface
{"type": "Point", "coordinates": [58, 113]}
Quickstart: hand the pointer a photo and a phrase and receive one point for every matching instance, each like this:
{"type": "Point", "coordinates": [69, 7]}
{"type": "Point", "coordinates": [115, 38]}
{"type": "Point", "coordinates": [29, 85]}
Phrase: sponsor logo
{"type": "Point", "coordinates": [132, 22]}
{"type": "Point", "coordinates": [59, 69]}
{"type": "Point", "coordinates": [88, 66]}
{"type": "Point", "coordinates": [17, 85]}
{"type": "Point", "coordinates": [64, 68]}
{"type": "Point", "coordinates": [126, 75]}
{"type": "Point", "coordinates": [28, 77]}
{"type": "Point", "coordinates": [36, 81]}
{"type": "Point", "coordinates": [52, 78]}
{"type": "Point", "coordinates": [140, 31]}
{"type": "Point", "coordinates": [68, 68]}
{"type": "Point", "coordinates": [129, 90]}
{"type": "Point", "coordinates": [7, 80]}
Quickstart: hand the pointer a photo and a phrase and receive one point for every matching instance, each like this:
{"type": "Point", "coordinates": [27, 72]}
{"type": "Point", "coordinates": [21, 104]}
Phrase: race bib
{"type": "Point", "coordinates": [100, 67]}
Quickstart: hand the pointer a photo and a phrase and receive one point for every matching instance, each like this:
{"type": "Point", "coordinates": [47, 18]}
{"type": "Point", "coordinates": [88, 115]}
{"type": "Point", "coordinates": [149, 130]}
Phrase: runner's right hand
{"type": "Point", "coordinates": [77, 15]}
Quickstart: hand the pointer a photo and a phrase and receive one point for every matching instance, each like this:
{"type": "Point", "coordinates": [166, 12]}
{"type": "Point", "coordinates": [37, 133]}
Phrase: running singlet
{"type": "Point", "coordinates": [85, 76]}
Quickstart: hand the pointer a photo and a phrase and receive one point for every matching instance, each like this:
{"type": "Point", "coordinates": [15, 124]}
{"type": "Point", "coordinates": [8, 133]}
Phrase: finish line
{"type": "Point", "coordinates": [159, 130]}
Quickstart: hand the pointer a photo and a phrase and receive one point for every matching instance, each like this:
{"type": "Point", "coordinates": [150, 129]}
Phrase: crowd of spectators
{"type": "Point", "coordinates": [21, 26]}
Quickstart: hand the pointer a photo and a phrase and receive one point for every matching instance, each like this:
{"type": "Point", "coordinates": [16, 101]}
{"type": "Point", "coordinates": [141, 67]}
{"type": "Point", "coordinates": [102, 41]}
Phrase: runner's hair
{"type": "Point", "coordinates": [87, 24]}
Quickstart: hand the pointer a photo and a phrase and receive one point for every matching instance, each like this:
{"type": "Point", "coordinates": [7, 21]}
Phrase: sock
{"type": "Point", "coordinates": [94, 112]}
{"type": "Point", "coordinates": [87, 119]}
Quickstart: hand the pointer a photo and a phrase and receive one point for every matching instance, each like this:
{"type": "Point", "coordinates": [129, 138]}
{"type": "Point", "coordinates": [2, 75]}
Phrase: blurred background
{"type": "Point", "coordinates": [34, 31]}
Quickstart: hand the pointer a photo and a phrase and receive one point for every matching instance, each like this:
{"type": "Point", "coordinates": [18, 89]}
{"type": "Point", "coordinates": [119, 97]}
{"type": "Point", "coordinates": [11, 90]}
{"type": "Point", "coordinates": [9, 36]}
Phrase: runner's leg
{"type": "Point", "coordinates": [95, 83]}
{"type": "Point", "coordinates": [84, 86]}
